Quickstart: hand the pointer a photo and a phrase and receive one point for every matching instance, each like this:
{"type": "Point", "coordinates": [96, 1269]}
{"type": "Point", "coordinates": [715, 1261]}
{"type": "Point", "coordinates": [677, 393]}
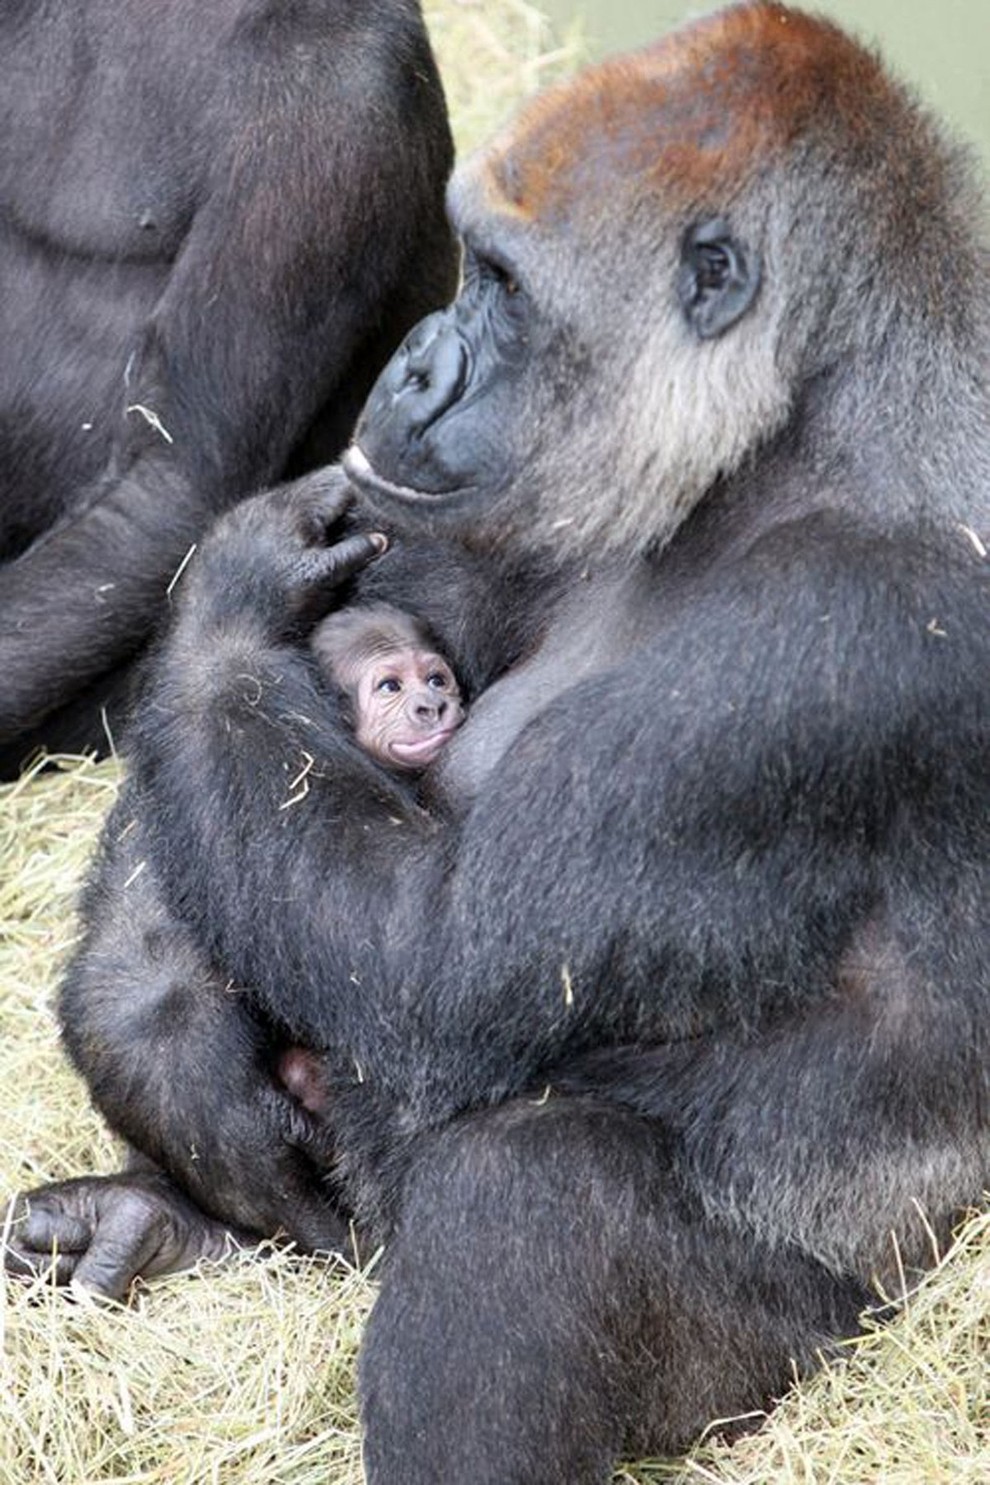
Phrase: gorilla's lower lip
{"type": "Point", "coordinates": [415, 752]}
{"type": "Point", "coordinates": [358, 468]}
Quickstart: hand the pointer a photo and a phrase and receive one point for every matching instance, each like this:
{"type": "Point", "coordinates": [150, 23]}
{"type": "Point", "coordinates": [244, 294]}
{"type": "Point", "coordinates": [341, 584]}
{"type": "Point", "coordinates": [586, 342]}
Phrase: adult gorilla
{"type": "Point", "coordinates": [638, 1061]}
{"type": "Point", "coordinates": [216, 223]}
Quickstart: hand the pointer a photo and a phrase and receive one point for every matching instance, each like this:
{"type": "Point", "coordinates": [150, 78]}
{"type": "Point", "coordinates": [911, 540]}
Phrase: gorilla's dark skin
{"type": "Point", "coordinates": [217, 221]}
{"type": "Point", "coordinates": [638, 1060]}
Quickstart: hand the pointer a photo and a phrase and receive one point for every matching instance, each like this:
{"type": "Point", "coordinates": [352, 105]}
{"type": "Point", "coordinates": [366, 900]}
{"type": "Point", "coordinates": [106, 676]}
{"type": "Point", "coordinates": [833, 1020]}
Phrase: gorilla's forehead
{"type": "Point", "coordinates": [696, 113]}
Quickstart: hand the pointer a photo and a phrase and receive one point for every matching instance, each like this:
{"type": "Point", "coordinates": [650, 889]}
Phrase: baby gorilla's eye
{"type": "Point", "coordinates": [390, 684]}
{"type": "Point", "coordinates": [437, 679]}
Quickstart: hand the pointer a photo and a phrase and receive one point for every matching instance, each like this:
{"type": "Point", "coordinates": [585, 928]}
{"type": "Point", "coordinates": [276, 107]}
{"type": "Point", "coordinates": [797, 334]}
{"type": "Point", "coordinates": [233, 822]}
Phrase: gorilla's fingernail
{"type": "Point", "coordinates": [380, 540]}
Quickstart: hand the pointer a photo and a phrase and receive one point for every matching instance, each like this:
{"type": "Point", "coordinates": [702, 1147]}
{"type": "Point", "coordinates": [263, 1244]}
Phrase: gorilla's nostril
{"type": "Point", "coordinates": [435, 376]}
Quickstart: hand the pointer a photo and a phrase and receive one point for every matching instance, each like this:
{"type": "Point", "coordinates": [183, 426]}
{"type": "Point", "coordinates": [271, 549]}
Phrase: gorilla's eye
{"type": "Point", "coordinates": [487, 270]}
{"type": "Point", "coordinates": [437, 679]}
{"type": "Point", "coordinates": [390, 684]}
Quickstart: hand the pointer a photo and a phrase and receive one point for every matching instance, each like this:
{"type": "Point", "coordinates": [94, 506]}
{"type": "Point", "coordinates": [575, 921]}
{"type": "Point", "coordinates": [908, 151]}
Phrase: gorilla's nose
{"type": "Point", "coordinates": [429, 371]}
{"type": "Point", "coordinates": [429, 709]}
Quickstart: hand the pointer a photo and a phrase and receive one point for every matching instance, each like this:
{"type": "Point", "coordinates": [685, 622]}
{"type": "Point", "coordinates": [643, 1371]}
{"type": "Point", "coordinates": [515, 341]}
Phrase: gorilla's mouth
{"type": "Point", "coordinates": [416, 753]}
{"type": "Point", "coordinates": [360, 472]}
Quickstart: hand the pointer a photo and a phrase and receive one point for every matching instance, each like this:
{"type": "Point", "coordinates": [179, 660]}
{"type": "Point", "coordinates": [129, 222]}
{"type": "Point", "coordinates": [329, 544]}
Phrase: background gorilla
{"type": "Point", "coordinates": [215, 225]}
{"type": "Point", "coordinates": [638, 1063]}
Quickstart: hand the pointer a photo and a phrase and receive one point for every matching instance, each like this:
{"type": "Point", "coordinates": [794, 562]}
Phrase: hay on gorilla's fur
{"type": "Point", "coordinates": [245, 1373]}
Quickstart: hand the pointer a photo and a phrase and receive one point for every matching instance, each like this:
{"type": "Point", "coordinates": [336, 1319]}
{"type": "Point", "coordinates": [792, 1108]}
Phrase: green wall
{"type": "Point", "coordinates": [941, 46]}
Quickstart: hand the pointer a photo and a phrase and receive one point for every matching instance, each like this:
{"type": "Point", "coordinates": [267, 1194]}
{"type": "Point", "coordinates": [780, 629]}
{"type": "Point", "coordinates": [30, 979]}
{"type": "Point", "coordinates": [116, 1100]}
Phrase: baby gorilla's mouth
{"type": "Point", "coordinates": [417, 752]}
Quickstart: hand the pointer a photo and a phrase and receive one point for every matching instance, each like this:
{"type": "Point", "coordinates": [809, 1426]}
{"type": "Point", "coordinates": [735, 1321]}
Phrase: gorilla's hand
{"type": "Point", "coordinates": [279, 558]}
{"type": "Point", "coordinates": [99, 1233]}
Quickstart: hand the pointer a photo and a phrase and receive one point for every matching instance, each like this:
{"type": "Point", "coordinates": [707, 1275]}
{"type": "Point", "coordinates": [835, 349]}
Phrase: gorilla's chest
{"type": "Point", "coordinates": [594, 628]}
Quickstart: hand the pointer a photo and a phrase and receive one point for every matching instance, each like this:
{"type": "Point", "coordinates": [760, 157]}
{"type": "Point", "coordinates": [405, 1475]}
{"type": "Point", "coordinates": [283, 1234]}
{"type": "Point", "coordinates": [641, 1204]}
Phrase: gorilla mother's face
{"type": "Point", "coordinates": [438, 430]}
{"type": "Point", "coordinates": [615, 346]}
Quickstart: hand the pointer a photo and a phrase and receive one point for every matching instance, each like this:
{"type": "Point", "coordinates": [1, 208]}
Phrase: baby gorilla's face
{"type": "Point", "coordinates": [407, 706]}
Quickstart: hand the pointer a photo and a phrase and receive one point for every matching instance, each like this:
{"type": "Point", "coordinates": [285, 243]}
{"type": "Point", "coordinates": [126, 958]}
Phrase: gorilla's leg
{"type": "Point", "coordinates": [555, 1298]}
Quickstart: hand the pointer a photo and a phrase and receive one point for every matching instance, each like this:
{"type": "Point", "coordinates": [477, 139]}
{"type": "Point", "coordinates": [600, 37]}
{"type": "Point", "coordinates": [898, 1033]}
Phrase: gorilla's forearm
{"type": "Point", "coordinates": [110, 566]}
{"type": "Point", "coordinates": [235, 715]}
{"type": "Point", "coordinates": [176, 1059]}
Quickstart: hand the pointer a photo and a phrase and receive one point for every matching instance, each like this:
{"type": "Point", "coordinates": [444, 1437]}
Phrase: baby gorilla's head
{"type": "Point", "coordinates": [404, 698]}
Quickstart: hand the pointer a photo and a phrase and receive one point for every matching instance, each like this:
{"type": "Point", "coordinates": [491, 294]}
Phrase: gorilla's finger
{"type": "Point", "coordinates": [29, 1265]}
{"type": "Point", "coordinates": [123, 1246]}
{"type": "Point", "coordinates": [324, 498]}
{"type": "Point", "coordinates": [338, 563]}
{"type": "Point", "coordinates": [46, 1228]}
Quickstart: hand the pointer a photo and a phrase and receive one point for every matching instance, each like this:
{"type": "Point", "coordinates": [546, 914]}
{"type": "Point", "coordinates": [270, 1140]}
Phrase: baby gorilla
{"type": "Point", "coordinates": [404, 698]}
{"type": "Point", "coordinates": [405, 704]}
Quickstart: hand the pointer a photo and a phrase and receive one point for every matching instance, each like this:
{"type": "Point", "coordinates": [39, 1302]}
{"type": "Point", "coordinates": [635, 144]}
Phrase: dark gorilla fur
{"type": "Point", "coordinates": [216, 223]}
{"type": "Point", "coordinates": [639, 1059]}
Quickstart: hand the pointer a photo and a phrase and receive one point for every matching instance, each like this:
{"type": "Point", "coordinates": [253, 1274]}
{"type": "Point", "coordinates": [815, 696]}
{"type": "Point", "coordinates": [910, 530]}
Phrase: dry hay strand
{"type": "Point", "coordinates": [241, 1372]}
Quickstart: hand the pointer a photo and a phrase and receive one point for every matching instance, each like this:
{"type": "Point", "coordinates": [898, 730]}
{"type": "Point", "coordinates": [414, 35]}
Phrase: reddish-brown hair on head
{"type": "Point", "coordinates": [697, 111]}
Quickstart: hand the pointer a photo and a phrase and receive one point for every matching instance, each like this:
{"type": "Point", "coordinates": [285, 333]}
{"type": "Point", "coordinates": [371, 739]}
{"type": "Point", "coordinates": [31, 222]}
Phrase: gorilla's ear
{"type": "Point", "coordinates": [718, 278]}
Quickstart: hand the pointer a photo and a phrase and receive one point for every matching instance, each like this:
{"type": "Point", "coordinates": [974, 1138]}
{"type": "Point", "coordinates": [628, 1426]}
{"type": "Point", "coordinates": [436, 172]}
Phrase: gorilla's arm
{"type": "Point", "coordinates": [456, 962]}
{"type": "Point", "coordinates": [266, 312]}
{"type": "Point", "coordinates": [142, 1008]}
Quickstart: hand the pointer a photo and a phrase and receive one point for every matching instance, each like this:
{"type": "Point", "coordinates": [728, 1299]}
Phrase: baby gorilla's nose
{"type": "Point", "coordinates": [427, 708]}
